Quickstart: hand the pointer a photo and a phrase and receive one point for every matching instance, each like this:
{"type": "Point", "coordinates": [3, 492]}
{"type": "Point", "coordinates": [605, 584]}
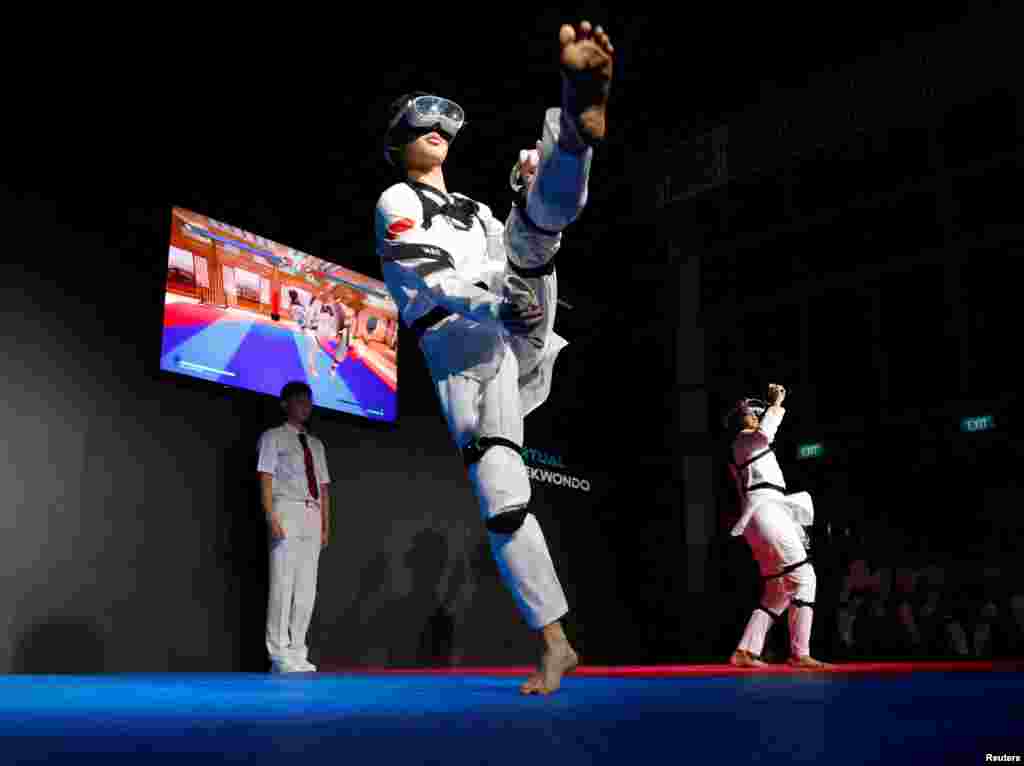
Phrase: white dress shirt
{"type": "Point", "coordinates": [281, 455]}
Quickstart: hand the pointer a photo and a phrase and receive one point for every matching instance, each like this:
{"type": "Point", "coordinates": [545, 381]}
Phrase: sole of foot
{"type": "Point", "coordinates": [586, 61]}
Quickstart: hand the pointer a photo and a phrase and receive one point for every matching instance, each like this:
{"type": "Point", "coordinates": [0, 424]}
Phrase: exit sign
{"type": "Point", "coordinates": [984, 423]}
{"type": "Point", "coordinates": [805, 451]}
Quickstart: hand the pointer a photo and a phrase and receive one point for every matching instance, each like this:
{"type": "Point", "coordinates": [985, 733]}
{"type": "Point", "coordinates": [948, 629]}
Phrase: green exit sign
{"type": "Point", "coordinates": [972, 425]}
{"type": "Point", "coordinates": [805, 451]}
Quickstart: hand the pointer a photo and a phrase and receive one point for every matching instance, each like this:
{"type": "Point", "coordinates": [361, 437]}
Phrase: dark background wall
{"type": "Point", "coordinates": [132, 537]}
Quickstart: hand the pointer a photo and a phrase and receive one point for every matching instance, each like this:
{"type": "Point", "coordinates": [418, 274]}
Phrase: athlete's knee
{"type": "Point", "coordinates": [804, 582]}
{"type": "Point", "coordinates": [775, 599]}
{"type": "Point", "coordinates": [475, 450]}
{"type": "Point", "coordinates": [507, 522]}
{"type": "Point", "coordinates": [498, 474]}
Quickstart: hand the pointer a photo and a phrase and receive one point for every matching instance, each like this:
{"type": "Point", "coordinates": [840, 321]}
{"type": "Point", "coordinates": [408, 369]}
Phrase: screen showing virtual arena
{"type": "Point", "coordinates": [245, 312]}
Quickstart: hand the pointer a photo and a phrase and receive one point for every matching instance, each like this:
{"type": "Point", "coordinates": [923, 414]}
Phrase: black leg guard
{"type": "Point", "coordinates": [797, 602]}
{"type": "Point", "coordinates": [507, 522]}
{"type": "Point", "coordinates": [475, 450]}
{"type": "Point", "coordinates": [767, 611]}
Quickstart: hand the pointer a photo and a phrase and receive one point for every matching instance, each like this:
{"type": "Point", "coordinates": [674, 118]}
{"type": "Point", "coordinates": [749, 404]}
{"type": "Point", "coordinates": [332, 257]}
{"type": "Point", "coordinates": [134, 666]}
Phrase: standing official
{"type": "Point", "coordinates": [295, 482]}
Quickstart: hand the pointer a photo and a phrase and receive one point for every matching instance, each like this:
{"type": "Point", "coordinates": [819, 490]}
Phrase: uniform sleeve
{"type": "Point", "coordinates": [267, 462]}
{"type": "Point", "coordinates": [770, 422]}
{"type": "Point", "coordinates": [418, 273]}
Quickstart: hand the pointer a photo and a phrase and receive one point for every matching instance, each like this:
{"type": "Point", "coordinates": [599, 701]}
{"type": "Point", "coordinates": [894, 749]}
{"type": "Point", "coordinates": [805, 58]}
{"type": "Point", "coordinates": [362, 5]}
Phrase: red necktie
{"type": "Point", "coordinates": [314, 490]}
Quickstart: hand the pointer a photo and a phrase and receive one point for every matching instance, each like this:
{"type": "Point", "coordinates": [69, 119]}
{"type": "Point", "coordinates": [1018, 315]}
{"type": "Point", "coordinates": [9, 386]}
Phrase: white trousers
{"type": "Point", "coordinates": [555, 200]}
{"type": "Point", "coordinates": [293, 571]}
{"type": "Point", "coordinates": [776, 543]}
{"type": "Point", "coordinates": [501, 483]}
{"type": "Point", "coordinates": [497, 405]}
{"type": "Point", "coordinates": [536, 353]}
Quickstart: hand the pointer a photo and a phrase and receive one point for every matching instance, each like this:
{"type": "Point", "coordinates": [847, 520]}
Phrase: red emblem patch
{"type": "Point", "coordinates": [400, 226]}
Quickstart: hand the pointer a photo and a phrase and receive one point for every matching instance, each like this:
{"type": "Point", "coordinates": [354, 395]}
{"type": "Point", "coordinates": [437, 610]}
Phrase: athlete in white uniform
{"type": "Point", "coordinates": [481, 296]}
{"type": "Point", "coordinates": [302, 315]}
{"type": "Point", "coordinates": [772, 523]}
{"type": "Point", "coordinates": [296, 310]}
{"type": "Point", "coordinates": [321, 326]}
{"type": "Point", "coordinates": [343, 333]}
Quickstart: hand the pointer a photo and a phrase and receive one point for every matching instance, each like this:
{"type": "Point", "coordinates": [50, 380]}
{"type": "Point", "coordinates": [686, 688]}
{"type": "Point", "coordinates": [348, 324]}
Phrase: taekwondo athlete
{"type": "Point", "coordinates": [772, 522]}
{"type": "Point", "coordinates": [481, 297]}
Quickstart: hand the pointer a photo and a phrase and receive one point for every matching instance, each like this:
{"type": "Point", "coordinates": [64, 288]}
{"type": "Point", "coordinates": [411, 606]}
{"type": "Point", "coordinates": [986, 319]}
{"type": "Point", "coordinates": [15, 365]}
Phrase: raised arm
{"type": "Point", "coordinates": [772, 417]}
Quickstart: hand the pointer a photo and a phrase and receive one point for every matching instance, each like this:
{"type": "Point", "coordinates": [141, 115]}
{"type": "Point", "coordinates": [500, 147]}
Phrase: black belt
{"type": "Point", "coordinates": [428, 320]}
{"type": "Point", "coordinates": [435, 315]}
{"type": "Point", "coordinates": [766, 485]}
{"type": "Point", "coordinates": [786, 570]}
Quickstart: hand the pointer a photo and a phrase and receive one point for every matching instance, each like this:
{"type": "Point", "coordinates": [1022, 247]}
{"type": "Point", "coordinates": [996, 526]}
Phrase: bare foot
{"type": "Point", "coordinates": [807, 662]}
{"type": "Point", "coordinates": [557, 660]}
{"type": "Point", "coordinates": [744, 659]}
{"type": "Point", "coordinates": [586, 60]}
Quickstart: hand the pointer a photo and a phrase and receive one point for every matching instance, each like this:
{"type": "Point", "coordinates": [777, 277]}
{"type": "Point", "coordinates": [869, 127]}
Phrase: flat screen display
{"type": "Point", "coordinates": [243, 311]}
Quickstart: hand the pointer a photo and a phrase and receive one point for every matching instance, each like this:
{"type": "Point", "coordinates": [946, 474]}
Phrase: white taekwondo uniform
{"type": "Point", "coordinates": [447, 262]}
{"type": "Point", "coordinates": [772, 523]}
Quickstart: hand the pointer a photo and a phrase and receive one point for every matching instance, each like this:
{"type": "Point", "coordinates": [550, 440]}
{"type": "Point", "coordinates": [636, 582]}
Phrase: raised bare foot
{"type": "Point", "coordinates": [741, 658]}
{"type": "Point", "coordinates": [557, 660]}
{"type": "Point", "coordinates": [586, 61]}
{"type": "Point", "coordinates": [807, 662]}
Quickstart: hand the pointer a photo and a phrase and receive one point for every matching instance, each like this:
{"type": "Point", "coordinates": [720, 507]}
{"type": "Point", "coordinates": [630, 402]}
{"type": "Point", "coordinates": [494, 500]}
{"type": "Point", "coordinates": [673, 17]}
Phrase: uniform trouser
{"type": "Point", "coordinates": [533, 236]}
{"type": "Point", "coordinates": [293, 572]}
{"type": "Point", "coordinates": [309, 343]}
{"type": "Point", "coordinates": [775, 541]}
{"type": "Point", "coordinates": [494, 407]}
{"type": "Point", "coordinates": [500, 480]}
{"type": "Point", "coordinates": [532, 249]}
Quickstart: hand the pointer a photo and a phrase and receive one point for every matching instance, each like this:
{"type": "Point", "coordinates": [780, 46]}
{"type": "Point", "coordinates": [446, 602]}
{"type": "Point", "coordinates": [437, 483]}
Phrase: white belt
{"type": "Point", "coordinates": [308, 502]}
